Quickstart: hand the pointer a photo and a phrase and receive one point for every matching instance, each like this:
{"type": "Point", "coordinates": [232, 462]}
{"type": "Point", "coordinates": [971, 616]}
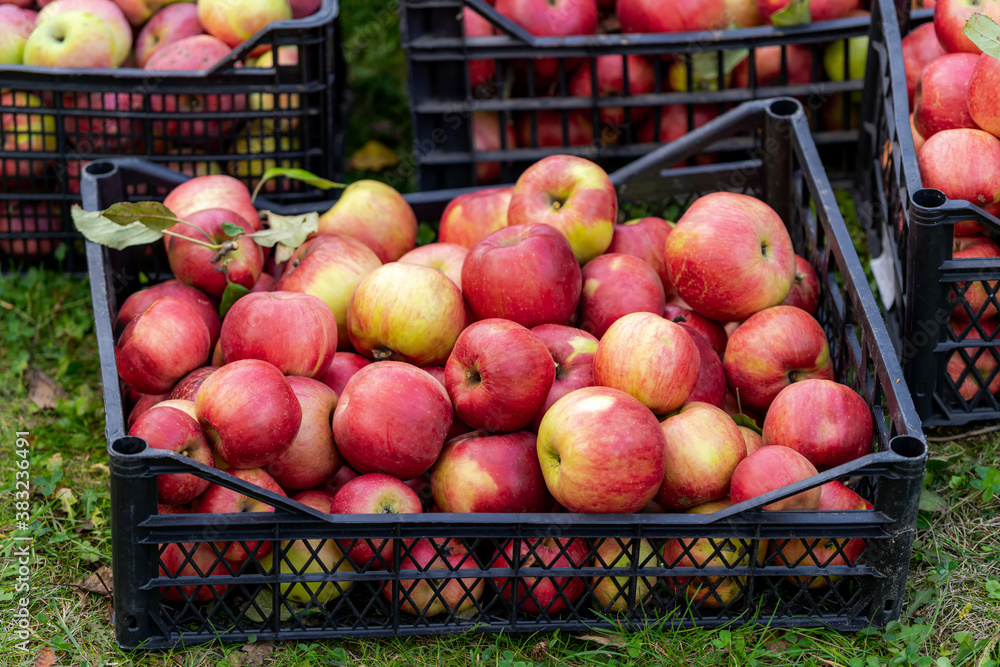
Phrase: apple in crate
{"type": "Point", "coordinates": [611, 593]}
{"type": "Point", "coordinates": [711, 385]}
{"type": "Point", "coordinates": [985, 78]}
{"type": "Point", "coordinates": [376, 215]}
{"type": "Point", "coordinates": [168, 427]}
{"type": "Point", "coordinates": [920, 47]}
{"type": "Point", "coordinates": [573, 352]}
{"type": "Point", "coordinates": [772, 468]}
{"type": "Point", "coordinates": [470, 217]}
{"type": "Point", "coordinates": [525, 273]}
{"type": "Point", "coordinates": [711, 331]}
{"type": "Point", "coordinates": [213, 191]}
{"type": "Point", "coordinates": [139, 301]}
{"type": "Point", "coordinates": [572, 194]}
{"type": "Point", "coordinates": [162, 345]}
{"type": "Point", "coordinates": [187, 387]}
{"type": "Point", "coordinates": [976, 295]}
{"type": "Point", "coordinates": [615, 285]}
{"type": "Point", "coordinates": [554, 18]}
{"type": "Point", "coordinates": [190, 559]}
{"type": "Point", "coordinates": [482, 72]}
{"type": "Point", "coordinates": [543, 594]}
{"type": "Point", "coordinates": [486, 137]}
{"type": "Point", "coordinates": [373, 493]}
{"type": "Point", "coordinates": [544, 129]}
{"type": "Point", "coordinates": [982, 359]}
{"type": "Point", "coordinates": [61, 30]}
{"type": "Point", "coordinates": [249, 411]}
{"type": "Point", "coordinates": [312, 458]}
{"type": "Point", "coordinates": [752, 438]}
{"type": "Point", "coordinates": [236, 23]}
{"type": "Point", "coordinates": [430, 597]}
{"type": "Point", "coordinates": [671, 15]}
{"type": "Point", "coordinates": [25, 132]}
{"type": "Point", "coordinates": [805, 290]}
{"type": "Point", "coordinates": [478, 472]}
{"type": "Point", "coordinates": [611, 82]}
{"type": "Point", "coordinates": [601, 451]}
{"type": "Point", "coordinates": [342, 368]}
{"type": "Point", "coordinates": [448, 258]}
{"type": "Point", "coordinates": [142, 404]}
{"type": "Point", "coordinates": [941, 95]}
{"type": "Point", "coordinates": [343, 476]}
{"type": "Point", "coordinates": [778, 65]}
{"type": "Point", "coordinates": [170, 24]}
{"type": "Point", "coordinates": [645, 238]}
{"type": "Point", "coordinates": [944, 167]}
{"type": "Point", "coordinates": [950, 17]}
{"type": "Point", "coordinates": [193, 263]}
{"type": "Point", "coordinates": [16, 25]}
{"type": "Point", "coordinates": [820, 10]}
{"type": "Point", "coordinates": [300, 557]}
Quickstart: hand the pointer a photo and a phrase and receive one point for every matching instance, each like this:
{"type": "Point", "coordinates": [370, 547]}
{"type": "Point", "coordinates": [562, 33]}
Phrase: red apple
{"type": "Point", "coordinates": [752, 438]}
{"type": "Point", "coordinates": [143, 299]}
{"type": "Point", "coordinates": [142, 405]}
{"type": "Point", "coordinates": [981, 358]}
{"type": "Point", "coordinates": [820, 10]}
{"type": "Point", "coordinates": [805, 289]}
{"type": "Point", "coordinates": [472, 216]}
{"type": "Point", "coordinates": [168, 427]}
{"type": "Point", "coordinates": [194, 264]}
{"type": "Point", "coordinates": [499, 375]}
{"type": "Point", "coordinates": [611, 82]}
{"type": "Point", "coordinates": [458, 427]}
{"type": "Point", "coordinates": [772, 468]}
{"type": "Point", "coordinates": [481, 72]}
{"type": "Point", "coordinates": [171, 24]}
{"type": "Point", "coordinates": [950, 17]}
{"type": "Point", "coordinates": [711, 385]}
{"type": "Point", "coordinates": [918, 140]}
{"type": "Point", "coordinates": [544, 129]}
{"type": "Point", "coordinates": [645, 238]}
{"type": "Point", "coordinates": [312, 458]}
{"type": "Point", "coordinates": [486, 137]}
{"type": "Point", "coordinates": [671, 15]}
{"type": "Point", "coordinates": [187, 387]}
{"type": "Point", "coordinates": [375, 214]}
{"type": "Point", "coordinates": [551, 18]}
{"type": "Point", "coordinates": [215, 191]}
{"type": "Point", "coordinates": [572, 194]}
{"type": "Point", "coordinates": [392, 418]}
{"type": "Point", "coordinates": [448, 258]}
{"type": "Point", "coordinates": [342, 368]}
{"type": "Point", "coordinates": [940, 97]}
{"type": "Point", "coordinates": [573, 352]}
{"type": "Point", "coordinates": [337, 482]}
{"type": "Point", "coordinates": [773, 349]}
{"type": "Point", "coordinates": [920, 47]}
{"type": "Point", "coordinates": [945, 166]}
{"type": "Point", "coordinates": [981, 99]}
{"type": "Point", "coordinates": [265, 283]}
{"type": "Point", "coordinates": [771, 71]}
{"type": "Point", "coordinates": [548, 594]}
{"type": "Point", "coordinates": [190, 559]}
{"type": "Point", "coordinates": [615, 285]}
{"type": "Point", "coordinates": [711, 331]}
{"type": "Point", "coordinates": [430, 597]}
{"type": "Point", "coordinates": [674, 122]}
{"type": "Point", "coordinates": [373, 493]}
{"type": "Point", "coordinates": [650, 358]}
{"type": "Point", "coordinates": [742, 13]}
{"type": "Point", "coordinates": [612, 593]}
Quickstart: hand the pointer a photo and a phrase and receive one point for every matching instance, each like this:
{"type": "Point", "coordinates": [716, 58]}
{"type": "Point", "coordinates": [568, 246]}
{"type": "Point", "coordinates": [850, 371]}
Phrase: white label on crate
{"type": "Point", "coordinates": [884, 271]}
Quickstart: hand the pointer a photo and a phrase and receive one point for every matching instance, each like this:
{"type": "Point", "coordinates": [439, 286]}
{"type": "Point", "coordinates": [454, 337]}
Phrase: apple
{"type": "Point", "coordinates": [982, 358]}
{"type": "Point", "coordinates": [711, 331]}
{"type": "Point", "coordinates": [615, 285]}
{"type": "Point", "coordinates": [430, 597]}
{"type": "Point", "coordinates": [645, 238]}
{"type": "Point", "coordinates": [330, 267]}
{"type": "Point", "coordinates": [300, 557]}
{"type": "Point", "coordinates": [752, 438]}
{"type": "Point", "coordinates": [343, 476]}
{"type": "Point", "coordinates": [671, 15]}
{"type": "Point", "coordinates": [304, 8]}
{"type": "Point", "coordinates": [652, 359]}
{"type": "Point", "coordinates": [601, 451]}
{"type": "Point", "coordinates": [170, 24]}
{"type": "Point", "coordinates": [611, 82]}
{"type": "Point", "coordinates": [525, 273]}
{"type": "Point", "coordinates": [221, 500]}
{"type": "Point", "coordinates": [139, 301]}
{"type": "Point", "coordinates": [820, 10]}
{"type": "Point", "coordinates": [944, 166]}
{"type": "Point", "coordinates": [611, 593]}
{"type": "Point", "coordinates": [742, 13]}
{"type": "Point", "coordinates": [711, 385]}
{"type": "Point", "coordinates": [190, 559]}
{"type": "Point", "coordinates": [392, 418]}
{"type": "Point", "coordinates": [139, 11]}
{"type": "Point", "coordinates": [920, 48]}
{"type": "Point", "coordinates": [142, 404]}
{"type": "Point", "coordinates": [499, 375]}
{"type": "Point", "coordinates": [236, 23]}
{"type": "Point", "coordinates": [790, 65]}
{"type": "Point", "coordinates": [673, 122]}
{"type": "Point", "coordinates": [773, 349]}
{"type": "Point", "coordinates": [249, 411]}
{"type": "Point", "coordinates": [573, 352]}
{"type": "Point", "coordinates": [16, 25]}
{"type": "Point", "coordinates": [448, 258]}
{"type": "Point", "coordinates": [840, 67]}
{"type": "Point", "coordinates": [187, 387]}
{"type": "Point", "coordinates": [406, 312]}
{"type": "Point", "coordinates": [950, 17]}
{"type": "Point", "coordinates": [22, 132]}
{"type": "Point", "coordinates": [772, 468]}
{"type": "Point", "coordinates": [162, 345]}
{"type": "Point", "coordinates": [83, 14]}
{"type": "Point", "coordinates": [213, 191]}
{"type": "Point", "coordinates": [17, 216]}
{"type": "Point", "coordinates": [544, 594]}
{"type": "Point", "coordinates": [482, 73]}
{"type": "Point", "coordinates": [342, 368]}
{"type": "Point", "coordinates": [312, 458]}
{"type": "Point", "coordinates": [805, 289]}
{"type": "Point", "coordinates": [983, 84]}
{"type": "Point", "coordinates": [288, 56]}
{"type": "Point", "coordinates": [217, 358]}
{"type": "Point", "coordinates": [73, 39]}
{"type": "Point", "coordinates": [470, 217]}
{"type": "Point", "coordinates": [172, 429]}
{"type": "Point", "coordinates": [730, 256]}
{"type": "Point", "coordinates": [486, 137]}
{"type": "Point", "coordinates": [375, 214]}
{"type": "Point", "coordinates": [479, 472]}
{"type": "Point", "coordinates": [458, 427]}
{"type": "Point", "coordinates": [373, 493]}
{"type": "Point", "coordinates": [940, 98]}
{"type": "Point", "coordinates": [550, 18]}
{"type": "Point", "coordinates": [195, 264]}
{"type": "Point", "coordinates": [544, 129]}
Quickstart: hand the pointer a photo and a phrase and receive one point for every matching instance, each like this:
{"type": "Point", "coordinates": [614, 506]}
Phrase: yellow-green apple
{"type": "Point", "coordinates": [548, 594]}
{"type": "Point", "coordinates": [376, 215]}
{"type": "Point", "coordinates": [374, 493]}
{"type": "Point", "coordinates": [611, 593]}
{"type": "Point", "coordinates": [805, 290]}
{"type": "Point", "coordinates": [195, 264]}
{"type": "Point", "coordinates": [773, 68]}
{"type": "Point", "coordinates": [977, 294]}
{"type": "Point", "coordinates": [525, 273]}
{"type": "Point", "coordinates": [601, 451]}
{"type": "Point", "coordinates": [650, 358]}
{"type": "Point", "coordinates": [820, 10]}
{"type": "Point", "coordinates": [944, 166]}
{"type": "Point", "coordinates": [139, 11]}
{"type": "Point", "coordinates": [498, 375]}
{"type": "Point", "coordinates": [235, 23]}
{"type": "Point", "coordinates": [940, 98]}
{"type": "Point", "coordinates": [482, 72]}
{"type": "Point", "coordinates": [981, 100]}
{"type": "Point", "coordinates": [983, 359]}
{"type": "Point", "coordinates": [920, 47]}
{"type": "Point", "coordinates": [671, 15]}
{"type": "Point", "coordinates": [170, 24]}
{"type": "Point", "coordinates": [142, 405]}
{"type": "Point", "coordinates": [406, 312]}
{"type": "Point", "coordinates": [312, 458]}
{"type": "Point", "coordinates": [190, 559]}
{"type": "Point", "coordinates": [479, 472]}
{"type": "Point", "coordinates": [288, 56]}
{"type": "Point", "coordinates": [24, 132]}
{"type": "Point", "coordinates": [470, 217]}
{"type": "Point", "coordinates": [840, 67]}
{"type": "Point", "coordinates": [772, 468]}
{"type": "Point", "coordinates": [673, 123]}
{"type": "Point", "coordinates": [825, 421]}
{"type": "Point", "coordinates": [615, 285]}
{"type": "Point", "coordinates": [553, 18]}
{"type": "Point", "coordinates": [170, 428]}
{"type": "Point", "coordinates": [330, 267]}
{"type": "Point", "coordinates": [573, 352]}
{"type": "Point", "coordinates": [544, 129]}
{"type": "Point", "coordinates": [823, 551]}
{"type": "Point", "coordinates": [645, 238]}
{"type": "Point", "coordinates": [950, 17]}
{"type": "Point", "coordinates": [730, 256]}
{"type": "Point", "coordinates": [572, 194]}
{"type": "Point", "coordinates": [703, 448]}
{"type": "Point", "coordinates": [301, 557]}
{"type": "Point", "coordinates": [711, 331]}
{"type": "Point", "coordinates": [706, 552]}
{"type": "Point", "coordinates": [711, 385]}
{"type": "Point", "coordinates": [448, 258]}
{"type": "Point", "coordinates": [16, 25]}
{"type": "Point", "coordinates": [430, 597]}
{"type": "Point", "coordinates": [486, 137]}
{"type": "Point", "coordinates": [752, 438]}
{"type": "Point", "coordinates": [162, 345]}
{"type": "Point", "coordinates": [263, 140]}
{"type": "Point", "coordinates": [771, 350]}
{"type": "Point", "coordinates": [213, 191]}
{"type": "Point", "coordinates": [611, 82]}
{"type": "Point", "coordinates": [293, 331]}
{"type": "Point", "coordinates": [458, 427]}
{"type": "Point", "coordinates": [342, 368]}
{"type": "Point", "coordinates": [392, 418]}
{"type": "Point", "coordinates": [139, 301]}
{"type": "Point", "coordinates": [187, 387]}
{"type": "Point", "coordinates": [249, 411]}
{"type": "Point", "coordinates": [221, 500]}
{"type": "Point", "coordinates": [83, 13]}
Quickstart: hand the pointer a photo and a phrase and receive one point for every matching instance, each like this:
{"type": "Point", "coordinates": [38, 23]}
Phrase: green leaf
{"type": "Point", "coordinates": [425, 234]}
{"type": "Point", "coordinates": [306, 177]}
{"type": "Point", "coordinates": [231, 229]}
{"type": "Point", "coordinates": [795, 12]}
{"type": "Point", "coordinates": [288, 232]}
{"type": "Point", "coordinates": [745, 420]}
{"type": "Point", "coordinates": [931, 502]}
{"type": "Point", "coordinates": [99, 229]}
{"type": "Point", "coordinates": [234, 292]}
{"type": "Point", "coordinates": [984, 33]}
{"type": "Point", "coordinates": [705, 67]}
{"type": "Point", "coordinates": [152, 214]}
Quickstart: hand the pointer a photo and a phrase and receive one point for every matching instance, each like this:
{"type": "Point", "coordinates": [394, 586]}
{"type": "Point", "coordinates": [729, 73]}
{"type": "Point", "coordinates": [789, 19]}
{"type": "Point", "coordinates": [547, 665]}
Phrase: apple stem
{"type": "Point", "coordinates": [225, 249]}
{"type": "Point", "coordinates": [213, 246]}
{"type": "Point", "coordinates": [382, 353]}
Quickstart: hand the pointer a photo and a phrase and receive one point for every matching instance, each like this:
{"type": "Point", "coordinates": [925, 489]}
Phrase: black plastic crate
{"type": "Point", "coordinates": [865, 590]}
{"type": "Point", "coordinates": [231, 119]}
{"type": "Point", "coordinates": [951, 370]}
{"type": "Point", "coordinates": [443, 96]}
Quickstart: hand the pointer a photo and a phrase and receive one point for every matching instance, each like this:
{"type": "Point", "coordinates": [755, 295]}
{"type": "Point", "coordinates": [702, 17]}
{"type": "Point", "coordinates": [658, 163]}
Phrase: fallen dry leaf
{"type": "Point", "coordinates": [98, 582]}
{"type": "Point", "coordinates": [43, 390]}
{"type": "Point", "coordinates": [540, 650]}
{"type": "Point", "coordinates": [254, 654]}
{"type": "Point", "coordinates": [46, 658]}
{"type": "Point", "coordinates": [603, 640]}
{"type": "Point", "coordinates": [373, 156]}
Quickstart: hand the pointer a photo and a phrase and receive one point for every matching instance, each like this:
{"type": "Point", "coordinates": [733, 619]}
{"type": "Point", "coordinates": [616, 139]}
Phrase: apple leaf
{"type": "Point", "coordinates": [931, 502]}
{"type": "Point", "coordinates": [746, 420]}
{"type": "Point", "coordinates": [795, 12]}
{"type": "Point", "coordinates": [288, 232]}
{"type": "Point", "coordinates": [234, 292]}
{"type": "Point", "coordinates": [152, 214]}
{"type": "Point", "coordinates": [306, 177]}
{"type": "Point", "coordinates": [425, 234]}
{"type": "Point", "coordinates": [231, 229]}
{"type": "Point", "coordinates": [984, 33]}
{"type": "Point", "coordinates": [96, 228]}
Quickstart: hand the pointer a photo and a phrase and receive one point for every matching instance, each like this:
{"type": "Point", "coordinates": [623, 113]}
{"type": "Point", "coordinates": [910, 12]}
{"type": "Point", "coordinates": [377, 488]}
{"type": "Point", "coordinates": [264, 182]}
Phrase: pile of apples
{"type": "Point", "coordinates": [538, 358]}
{"type": "Point", "coordinates": [953, 88]}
